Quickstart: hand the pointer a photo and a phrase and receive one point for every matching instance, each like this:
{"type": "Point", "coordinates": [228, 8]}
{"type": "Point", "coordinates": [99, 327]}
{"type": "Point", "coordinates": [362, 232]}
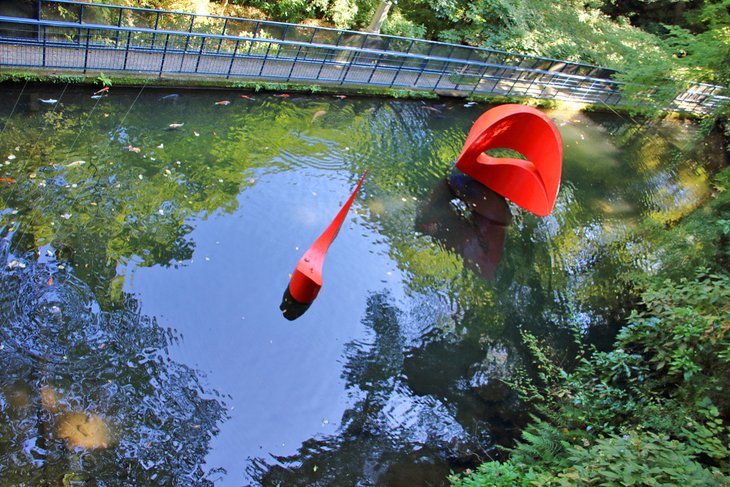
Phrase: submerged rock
{"type": "Point", "coordinates": [81, 430]}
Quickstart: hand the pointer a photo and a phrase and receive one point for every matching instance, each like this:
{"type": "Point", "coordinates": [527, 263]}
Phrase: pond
{"type": "Point", "coordinates": [148, 236]}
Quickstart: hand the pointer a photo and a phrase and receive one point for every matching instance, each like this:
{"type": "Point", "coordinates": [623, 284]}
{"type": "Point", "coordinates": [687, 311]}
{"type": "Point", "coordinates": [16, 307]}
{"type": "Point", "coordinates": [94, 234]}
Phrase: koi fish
{"type": "Point", "coordinates": [174, 126]}
{"type": "Point", "coordinates": [246, 97]}
{"type": "Point", "coordinates": [7, 180]}
{"type": "Point", "coordinates": [282, 95]}
{"type": "Point", "coordinates": [96, 97]}
{"type": "Point", "coordinates": [223, 102]}
{"type": "Point", "coordinates": [103, 90]}
{"type": "Point", "coordinates": [75, 163]}
{"type": "Point", "coordinates": [341, 97]}
{"type": "Point", "coordinates": [318, 114]}
{"type": "Point", "coordinates": [170, 97]}
{"type": "Point", "coordinates": [50, 101]}
{"type": "Point", "coordinates": [469, 104]}
{"type": "Point", "coordinates": [132, 148]}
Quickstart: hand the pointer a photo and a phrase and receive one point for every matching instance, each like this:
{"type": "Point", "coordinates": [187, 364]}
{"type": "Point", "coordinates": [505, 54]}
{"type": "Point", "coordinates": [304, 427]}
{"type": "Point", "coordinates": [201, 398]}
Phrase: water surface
{"type": "Point", "coordinates": [143, 267]}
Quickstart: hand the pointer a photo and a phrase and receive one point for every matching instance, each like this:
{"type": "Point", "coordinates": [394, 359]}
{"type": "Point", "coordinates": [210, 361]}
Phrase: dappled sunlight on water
{"type": "Point", "coordinates": [146, 241]}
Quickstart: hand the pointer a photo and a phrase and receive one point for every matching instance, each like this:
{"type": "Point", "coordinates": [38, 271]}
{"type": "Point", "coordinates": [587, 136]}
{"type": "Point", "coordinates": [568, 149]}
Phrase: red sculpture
{"type": "Point", "coordinates": [306, 280]}
{"type": "Point", "coordinates": [531, 184]}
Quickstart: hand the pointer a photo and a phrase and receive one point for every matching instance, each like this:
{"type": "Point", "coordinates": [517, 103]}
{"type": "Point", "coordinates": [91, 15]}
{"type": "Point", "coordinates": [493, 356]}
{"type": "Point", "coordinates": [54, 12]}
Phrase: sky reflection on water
{"type": "Point", "coordinates": [178, 243]}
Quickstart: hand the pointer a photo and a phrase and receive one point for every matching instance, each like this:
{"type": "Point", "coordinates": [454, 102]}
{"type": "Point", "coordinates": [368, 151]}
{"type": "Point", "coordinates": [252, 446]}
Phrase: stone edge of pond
{"type": "Point", "coordinates": [153, 80]}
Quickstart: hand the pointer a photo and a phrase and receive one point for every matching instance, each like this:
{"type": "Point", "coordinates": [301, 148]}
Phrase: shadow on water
{"type": "Point", "coordinates": [91, 396]}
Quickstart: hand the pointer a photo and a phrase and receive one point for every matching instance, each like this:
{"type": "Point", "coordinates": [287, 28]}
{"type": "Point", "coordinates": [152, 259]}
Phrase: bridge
{"type": "Point", "coordinates": [82, 37]}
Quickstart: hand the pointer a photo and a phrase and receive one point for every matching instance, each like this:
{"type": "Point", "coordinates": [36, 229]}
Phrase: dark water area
{"type": "Point", "coordinates": [147, 241]}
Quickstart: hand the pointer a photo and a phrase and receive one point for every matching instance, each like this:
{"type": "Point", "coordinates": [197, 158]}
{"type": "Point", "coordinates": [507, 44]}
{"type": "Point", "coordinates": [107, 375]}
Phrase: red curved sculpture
{"type": "Point", "coordinates": [306, 281]}
{"type": "Point", "coordinates": [531, 184]}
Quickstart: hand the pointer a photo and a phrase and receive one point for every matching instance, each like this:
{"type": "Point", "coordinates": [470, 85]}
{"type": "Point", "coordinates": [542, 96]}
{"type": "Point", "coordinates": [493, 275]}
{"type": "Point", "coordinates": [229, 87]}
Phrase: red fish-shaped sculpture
{"type": "Point", "coordinates": [306, 281]}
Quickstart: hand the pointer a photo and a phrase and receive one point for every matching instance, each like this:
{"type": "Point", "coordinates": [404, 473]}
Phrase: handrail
{"type": "Point", "coordinates": [423, 57]}
{"type": "Point", "coordinates": [123, 48]}
{"type": "Point", "coordinates": [318, 28]}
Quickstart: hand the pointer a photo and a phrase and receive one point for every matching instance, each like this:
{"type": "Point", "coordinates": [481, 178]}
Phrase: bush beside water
{"type": "Point", "coordinates": [653, 410]}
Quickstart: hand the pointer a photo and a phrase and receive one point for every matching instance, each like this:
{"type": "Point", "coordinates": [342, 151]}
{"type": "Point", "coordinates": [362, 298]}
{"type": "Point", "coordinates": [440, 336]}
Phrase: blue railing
{"type": "Point", "coordinates": [183, 44]}
{"type": "Point", "coordinates": [105, 14]}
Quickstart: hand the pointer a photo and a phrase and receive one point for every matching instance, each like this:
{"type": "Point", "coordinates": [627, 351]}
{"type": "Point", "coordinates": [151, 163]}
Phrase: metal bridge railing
{"type": "Point", "coordinates": [294, 56]}
{"type": "Point", "coordinates": [121, 16]}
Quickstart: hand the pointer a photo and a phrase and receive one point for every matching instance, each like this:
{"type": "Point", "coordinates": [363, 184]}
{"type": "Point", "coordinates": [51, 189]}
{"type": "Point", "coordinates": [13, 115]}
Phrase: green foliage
{"type": "Point", "coordinates": [396, 24]}
{"type": "Point", "coordinates": [289, 10]}
{"type": "Point", "coordinates": [654, 409]}
{"type": "Point", "coordinates": [104, 80]}
{"type": "Point", "coordinates": [493, 474]}
{"type": "Point", "coordinates": [342, 13]}
{"type": "Point", "coordinates": [690, 320]}
{"type": "Point", "coordinates": [640, 458]}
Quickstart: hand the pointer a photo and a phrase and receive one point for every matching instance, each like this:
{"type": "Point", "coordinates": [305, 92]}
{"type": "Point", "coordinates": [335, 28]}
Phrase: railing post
{"type": "Point", "coordinates": [200, 53]}
{"type": "Point", "coordinates": [154, 34]}
{"type": "Point", "coordinates": [187, 38]}
{"type": "Point", "coordinates": [294, 63]}
{"type": "Point", "coordinates": [266, 57]}
{"type": "Point", "coordinates": [81, 21]}
{"type": "Point", "coordinates": [479, 80]}
{"type": "Point", "coordinates": [375, 68]}
{"type": "Point", "coordinates": [126, 51]}
{"type": "Point", "coordinates": [344, 76]}
{"type": "Point", "coordinates": [533, 76]}
{"type": "Point", "coordinates": [164, 53]}
{"type": "Point", "coordinates": [514, 83]}
{"type": "Point", "coordinates": [321, 66]}
{"type": "Point", "coordinates": [44, 45]}
{"type": "Point", "coordinates": [443, 71]}
{"type": "Point", "coordinates": [441, 75]}
{"type": "Point", "coordinates": [40, 6]}
{"type": "Point", "coordinates": [86, 51]}
{"type": "Point", "coordinates": [424, 63]}
{"type": "Point", "coordinates": [392, 82]}
{"type": "Point", "coordinates": [119, 24]}
{"type": "Point", "coordinates": [233, 58]}
{"type": "Point", "coordinates": [220, 41]}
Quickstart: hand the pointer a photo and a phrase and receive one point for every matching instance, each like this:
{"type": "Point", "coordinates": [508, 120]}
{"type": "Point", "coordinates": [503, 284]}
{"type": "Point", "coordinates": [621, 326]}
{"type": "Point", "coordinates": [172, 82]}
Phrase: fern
{"type": "Point", "coordinates": [542, 444]}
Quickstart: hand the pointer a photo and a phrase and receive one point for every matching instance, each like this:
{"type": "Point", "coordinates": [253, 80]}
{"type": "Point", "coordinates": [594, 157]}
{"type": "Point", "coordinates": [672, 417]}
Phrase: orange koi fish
{"type": "Point", "coordinates": [7, 180]}
{"type": "Point", "coordinates": [223, 102]}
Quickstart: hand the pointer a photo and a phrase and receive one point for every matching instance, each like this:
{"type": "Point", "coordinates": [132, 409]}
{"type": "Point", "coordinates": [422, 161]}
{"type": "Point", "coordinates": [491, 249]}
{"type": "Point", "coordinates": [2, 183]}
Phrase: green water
{"type": "Point", "coordinates": [143, 268]}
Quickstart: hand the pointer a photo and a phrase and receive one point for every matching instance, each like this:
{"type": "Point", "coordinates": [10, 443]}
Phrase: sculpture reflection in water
{"type": "Point", "coordinates": [469, 218]}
